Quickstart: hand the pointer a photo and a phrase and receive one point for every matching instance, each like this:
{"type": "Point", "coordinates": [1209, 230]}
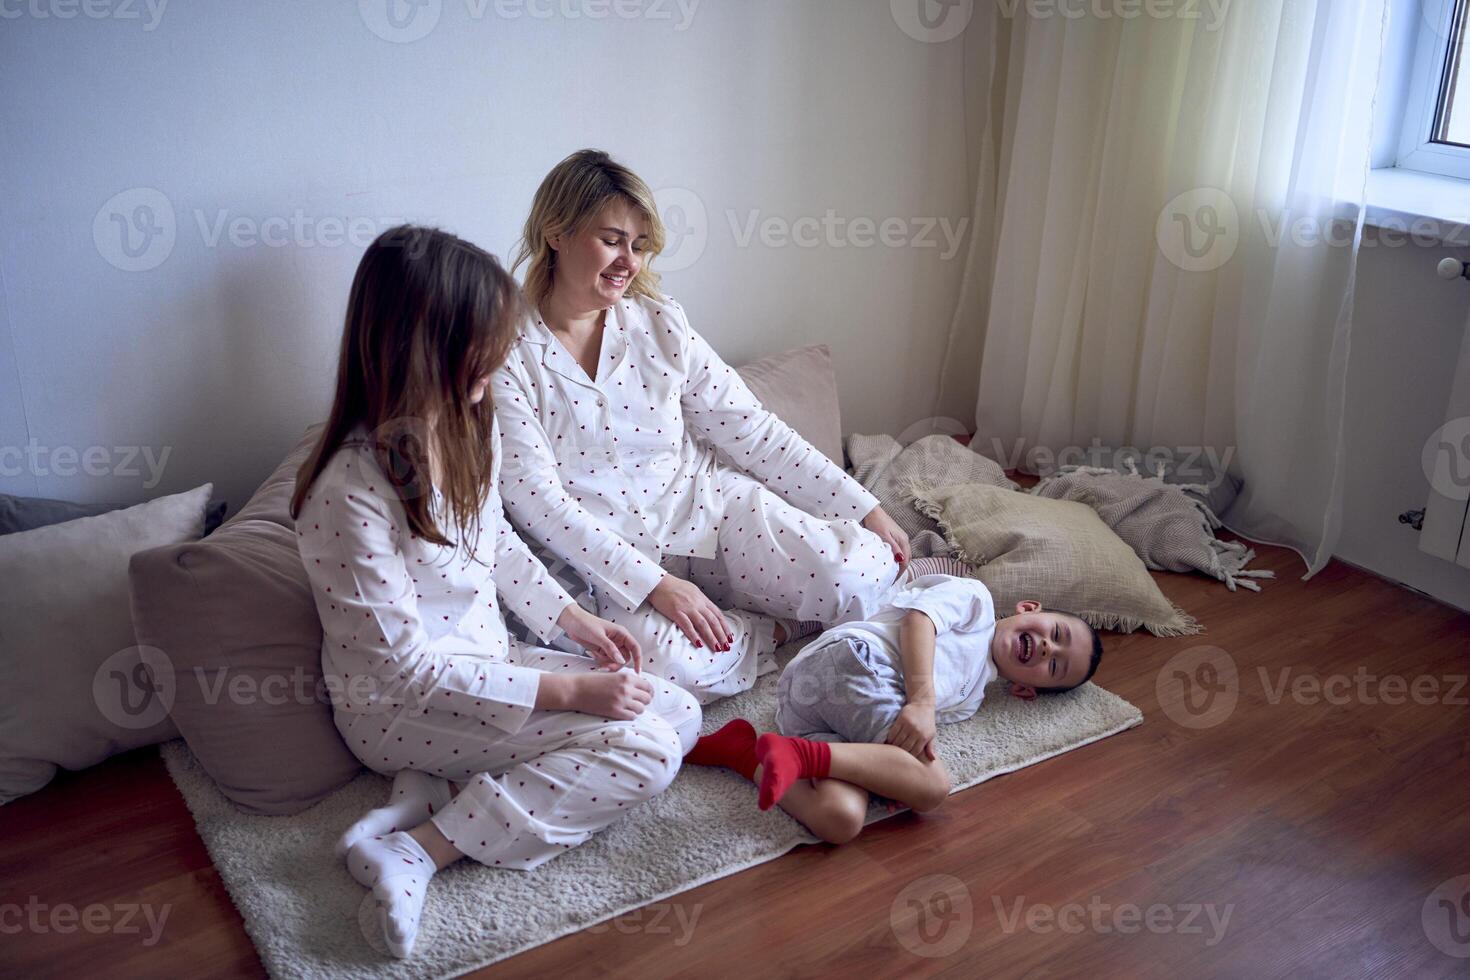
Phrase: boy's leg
{"type": "Point", "coordinates": [879, 768]}
{"type": "Point", "coordinates": [830, 808]}
{"type": "Point", "coordinates": [890, 771]}
{"type": "Point", "coordinates": [832, 800]}
{"type": "Point", "coordinates": [852, 689]}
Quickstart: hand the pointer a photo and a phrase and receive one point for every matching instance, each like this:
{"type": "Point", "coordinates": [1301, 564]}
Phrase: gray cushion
{"type": "Point", "coordinates": [79, 688]}
{"type": "Point", "coordinates": [29, 513]}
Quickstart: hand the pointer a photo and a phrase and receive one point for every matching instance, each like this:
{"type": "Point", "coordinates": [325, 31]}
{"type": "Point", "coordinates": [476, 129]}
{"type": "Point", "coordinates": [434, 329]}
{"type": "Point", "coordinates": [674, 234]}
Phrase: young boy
{"type": "Point", "coordinates": [921, 659]}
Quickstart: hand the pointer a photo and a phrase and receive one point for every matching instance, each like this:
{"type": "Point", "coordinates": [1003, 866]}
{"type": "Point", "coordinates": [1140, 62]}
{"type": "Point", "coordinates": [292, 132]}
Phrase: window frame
{"type": "Point", "coordinates": [1417, 148]}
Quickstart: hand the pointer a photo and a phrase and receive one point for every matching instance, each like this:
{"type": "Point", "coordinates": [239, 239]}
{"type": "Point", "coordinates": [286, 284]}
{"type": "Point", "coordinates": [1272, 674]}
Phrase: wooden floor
{"type": "Point", "coordinates": [1319, 827]}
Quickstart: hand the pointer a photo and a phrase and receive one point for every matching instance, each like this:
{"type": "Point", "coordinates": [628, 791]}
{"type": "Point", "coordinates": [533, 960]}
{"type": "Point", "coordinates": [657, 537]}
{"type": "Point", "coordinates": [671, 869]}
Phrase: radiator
{"type": "Point", "coordinates": [1446, 532]}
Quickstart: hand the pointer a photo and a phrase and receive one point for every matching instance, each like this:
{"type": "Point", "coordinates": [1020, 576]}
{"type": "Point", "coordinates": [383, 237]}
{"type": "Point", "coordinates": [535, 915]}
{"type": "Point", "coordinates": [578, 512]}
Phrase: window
{"type": "Point", "coordinates": [1436, 134]}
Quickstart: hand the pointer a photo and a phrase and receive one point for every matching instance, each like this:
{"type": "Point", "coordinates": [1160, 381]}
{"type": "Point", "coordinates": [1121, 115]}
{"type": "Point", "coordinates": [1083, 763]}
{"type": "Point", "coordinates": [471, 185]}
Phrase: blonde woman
{"type": "Point", "coordinates": [701, 522]}
{"type": "Point", "coordinates": [502, 753]}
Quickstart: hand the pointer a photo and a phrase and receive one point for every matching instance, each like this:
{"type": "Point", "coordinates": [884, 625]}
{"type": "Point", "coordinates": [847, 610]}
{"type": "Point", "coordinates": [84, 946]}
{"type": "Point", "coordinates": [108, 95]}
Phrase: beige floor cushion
{"type": "Point", "coordinates": [234, 613]}
{"type": "Point", "coordinates": [800, 386]}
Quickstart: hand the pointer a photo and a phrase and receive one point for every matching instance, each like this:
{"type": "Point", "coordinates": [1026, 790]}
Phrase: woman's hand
{"type": "Point", "coordinates": [913, 731]}
{"type": "Point", "coordinates": [887, 528]}
{"type": "Point", "coordinates": [692, 611]}
{"type": "Point", "coordinates": [609, 644]}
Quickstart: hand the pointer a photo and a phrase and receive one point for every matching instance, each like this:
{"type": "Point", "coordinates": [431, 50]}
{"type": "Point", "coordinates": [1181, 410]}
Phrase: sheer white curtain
{"type": "Point", "coordinates": [1168, 217]}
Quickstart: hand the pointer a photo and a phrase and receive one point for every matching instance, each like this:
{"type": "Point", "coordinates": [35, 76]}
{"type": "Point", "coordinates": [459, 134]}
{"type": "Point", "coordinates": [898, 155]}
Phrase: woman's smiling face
{"type": "Point", "coordinates": [595, 265]}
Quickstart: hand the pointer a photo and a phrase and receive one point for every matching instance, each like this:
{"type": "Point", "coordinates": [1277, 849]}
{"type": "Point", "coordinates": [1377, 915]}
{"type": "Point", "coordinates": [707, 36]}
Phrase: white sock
{"type": "Point", "coordinates": [397, 870]}
{"type": "Point", "coordinates": [416, 796]}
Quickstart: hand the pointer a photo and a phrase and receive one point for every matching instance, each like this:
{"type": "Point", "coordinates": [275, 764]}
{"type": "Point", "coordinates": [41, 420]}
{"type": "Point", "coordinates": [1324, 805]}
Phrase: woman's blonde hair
{"type": "Point", "coordinates": [571, 196]}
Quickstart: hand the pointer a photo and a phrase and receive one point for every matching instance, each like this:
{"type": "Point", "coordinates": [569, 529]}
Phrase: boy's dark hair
{"type": "Point", "coordinates": [1097, 652]}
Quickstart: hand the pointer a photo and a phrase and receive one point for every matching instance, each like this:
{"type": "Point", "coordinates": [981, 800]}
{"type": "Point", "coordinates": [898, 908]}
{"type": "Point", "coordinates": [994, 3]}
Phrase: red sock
{"type": "Point", "coordinates": [732, 746]}
{"type": "Point", "coordinates": [784, 760]}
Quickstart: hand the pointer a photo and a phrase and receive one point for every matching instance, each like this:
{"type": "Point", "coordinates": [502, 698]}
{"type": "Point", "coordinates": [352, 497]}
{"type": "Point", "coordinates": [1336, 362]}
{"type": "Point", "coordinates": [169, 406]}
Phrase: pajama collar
{"type": "Point", "coordinates": [554, 356]}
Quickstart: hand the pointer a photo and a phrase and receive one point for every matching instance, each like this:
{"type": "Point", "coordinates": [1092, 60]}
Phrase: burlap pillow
{"type": "Point", "coordinates": [1057, 552]}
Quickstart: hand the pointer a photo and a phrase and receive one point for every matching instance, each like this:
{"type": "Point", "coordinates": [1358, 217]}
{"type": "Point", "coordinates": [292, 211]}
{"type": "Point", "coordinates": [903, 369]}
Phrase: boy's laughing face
{"type": "Point", "coordinates": [1035, 648]}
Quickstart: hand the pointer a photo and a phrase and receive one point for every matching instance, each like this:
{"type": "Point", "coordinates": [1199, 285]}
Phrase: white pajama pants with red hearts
{"type": "Point", "coordinates": [529, 796]}
{"type": "Point", "coordinates": [772, 560]}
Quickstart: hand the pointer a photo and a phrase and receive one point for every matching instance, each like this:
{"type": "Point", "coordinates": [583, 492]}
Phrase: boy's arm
{"type": "Point", "coordinates": [916, 652]}
{"type": "Point", "coordinates": [914, 729]}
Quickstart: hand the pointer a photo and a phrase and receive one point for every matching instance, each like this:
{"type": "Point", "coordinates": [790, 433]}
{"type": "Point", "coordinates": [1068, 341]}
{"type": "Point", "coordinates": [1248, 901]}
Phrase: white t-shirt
{"type": "Point", "coordinates": [963, 614]}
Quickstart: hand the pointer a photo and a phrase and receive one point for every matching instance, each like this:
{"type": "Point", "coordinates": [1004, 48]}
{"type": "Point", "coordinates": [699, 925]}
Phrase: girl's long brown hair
{"type": "Point", "coordinates": [429, 315]}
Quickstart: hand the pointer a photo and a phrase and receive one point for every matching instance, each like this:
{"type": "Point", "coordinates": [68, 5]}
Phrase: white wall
{"type": "Point", "coordinates": [222, 353]}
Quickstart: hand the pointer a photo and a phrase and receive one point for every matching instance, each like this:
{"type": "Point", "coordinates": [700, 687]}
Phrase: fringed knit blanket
{"type": "Point", "coordinates": [1171, 530]}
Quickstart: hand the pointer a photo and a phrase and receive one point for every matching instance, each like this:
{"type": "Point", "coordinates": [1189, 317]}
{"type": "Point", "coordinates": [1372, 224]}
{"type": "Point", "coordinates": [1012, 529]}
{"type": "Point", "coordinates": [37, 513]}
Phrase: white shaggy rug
{"type": "Point", "coordinates": [301, 907]}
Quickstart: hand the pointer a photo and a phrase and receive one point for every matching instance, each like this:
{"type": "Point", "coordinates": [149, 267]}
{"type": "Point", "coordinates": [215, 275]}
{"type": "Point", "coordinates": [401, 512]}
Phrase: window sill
{"type": "Point", "coordinates": [1426, 206]}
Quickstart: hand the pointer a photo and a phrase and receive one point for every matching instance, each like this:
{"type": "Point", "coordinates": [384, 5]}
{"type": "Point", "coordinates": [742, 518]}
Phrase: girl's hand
{"type": "Point", "coordinates": [913, 731]}
{"type": "Point", "coordinates": [692, 611]}
{"type": "Point", "coordinates": [619, 696]}
{"type": "Point", "coordinates": [609, 644]}
{"type": "Point", "coordinates": [887, 528]}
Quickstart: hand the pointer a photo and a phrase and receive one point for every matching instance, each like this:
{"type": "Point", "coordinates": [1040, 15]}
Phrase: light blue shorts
{"type": "Point", "coordinates": [846, 688]}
